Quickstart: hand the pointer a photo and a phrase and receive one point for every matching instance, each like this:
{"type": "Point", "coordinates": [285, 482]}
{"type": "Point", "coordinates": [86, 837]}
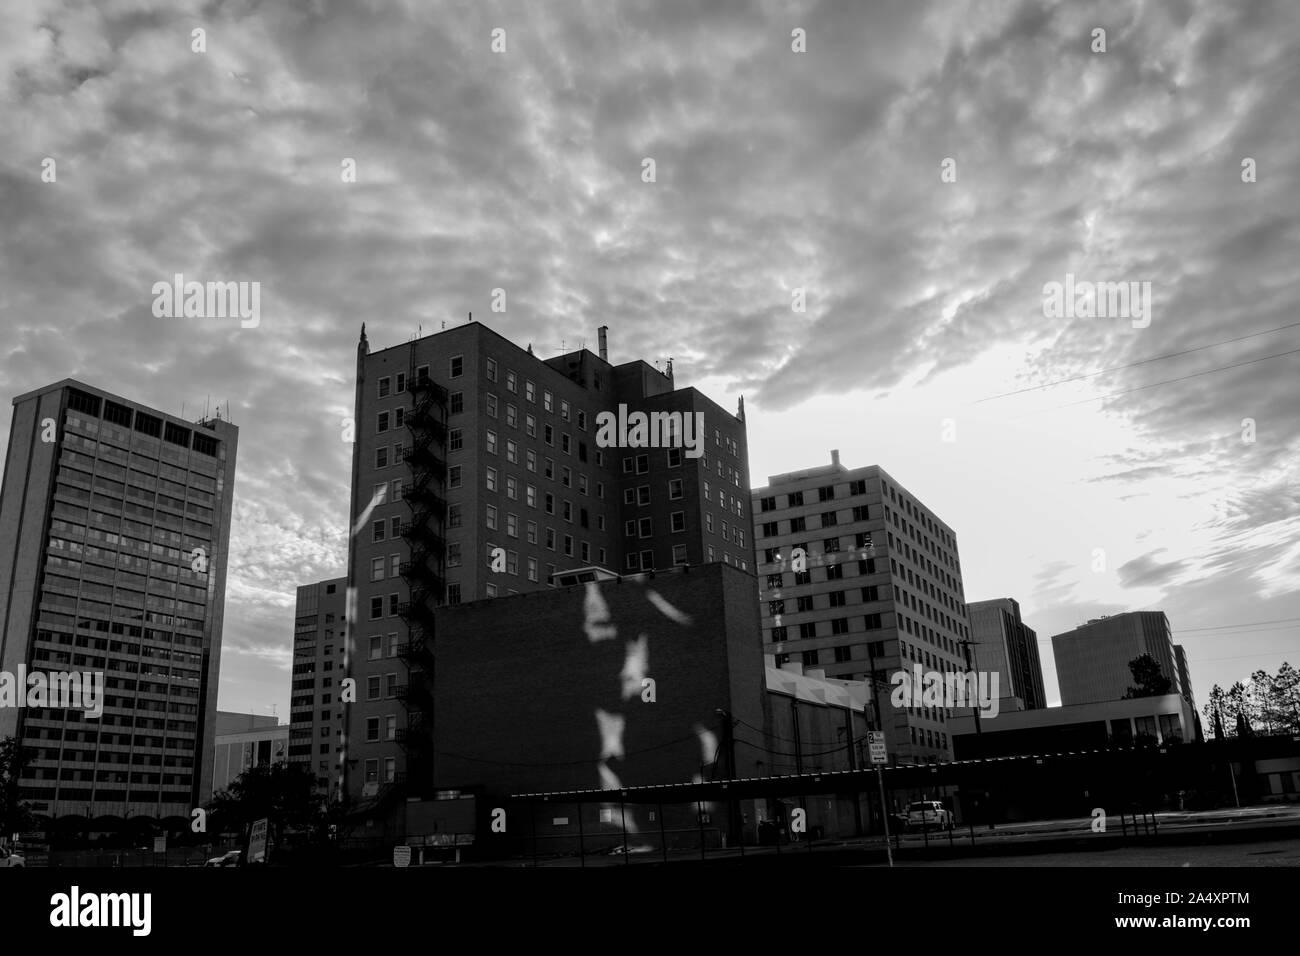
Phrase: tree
{"type": "Point", "coordinates": [281, 793]}
{"type": "Point", "coordinates": [1148, 677]}
{"type": "Point", "coordinates": [15, 816]}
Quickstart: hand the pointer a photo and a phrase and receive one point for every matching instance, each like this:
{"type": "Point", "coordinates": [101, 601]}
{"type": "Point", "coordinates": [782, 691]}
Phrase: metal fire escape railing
{"type": "Point", "coordinates": [423, 570]}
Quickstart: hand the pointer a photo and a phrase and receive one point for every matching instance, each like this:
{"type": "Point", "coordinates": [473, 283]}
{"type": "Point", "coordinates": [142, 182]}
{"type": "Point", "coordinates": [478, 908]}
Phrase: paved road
{"type": "Point", "coordinates": [1278, 853]}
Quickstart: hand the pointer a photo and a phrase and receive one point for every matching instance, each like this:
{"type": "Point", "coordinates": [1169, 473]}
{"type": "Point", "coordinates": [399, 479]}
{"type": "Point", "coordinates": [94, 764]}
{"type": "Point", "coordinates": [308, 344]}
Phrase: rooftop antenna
{"type": "Point", "coordinates": [471, 317]}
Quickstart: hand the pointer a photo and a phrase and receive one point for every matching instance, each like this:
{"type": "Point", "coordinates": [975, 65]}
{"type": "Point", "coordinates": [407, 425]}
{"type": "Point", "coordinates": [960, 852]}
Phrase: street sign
{"type": "Point", "coordinates": [160, 844]}
{"type": "Point", "coordinates": [257, 842]}
{"type": "Point", "coordinates": [401, 856]}
{"type": "Point", "coordinates": [876, 744]}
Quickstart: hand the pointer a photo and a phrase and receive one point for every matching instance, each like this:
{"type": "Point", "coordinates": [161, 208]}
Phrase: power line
{"type": "Point", "coordinates": [1117, 368]}
{"type": "Point", "coordinates": [1181, 378]}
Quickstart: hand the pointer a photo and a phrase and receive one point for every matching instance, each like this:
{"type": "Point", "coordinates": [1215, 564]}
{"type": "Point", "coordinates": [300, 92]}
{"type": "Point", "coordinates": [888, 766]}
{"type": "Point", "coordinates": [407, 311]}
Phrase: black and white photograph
{"type": "Point", "coordinates": [698, 464]}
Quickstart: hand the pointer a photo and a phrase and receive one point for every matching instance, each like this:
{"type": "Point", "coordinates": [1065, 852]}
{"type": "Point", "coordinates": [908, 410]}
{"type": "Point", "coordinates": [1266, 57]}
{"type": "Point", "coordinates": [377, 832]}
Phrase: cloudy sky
{"type": "Point", "coordinates": [777, 174]}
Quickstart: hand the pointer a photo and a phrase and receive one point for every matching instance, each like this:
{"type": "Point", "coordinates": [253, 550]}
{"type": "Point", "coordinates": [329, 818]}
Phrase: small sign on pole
{"type": "Point", "coordinates": [401, 856]}
{"type": "Point", "coordinates": [257, 842]}
{"type": "Point", "coordinates": [876, 744]}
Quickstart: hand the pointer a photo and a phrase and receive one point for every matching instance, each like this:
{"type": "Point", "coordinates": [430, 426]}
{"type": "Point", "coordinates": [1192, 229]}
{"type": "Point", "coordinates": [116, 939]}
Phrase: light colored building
{"type": "Point", "coordinates": [114, 527]}
{"type": "Point", "coordinates": [881, 589]}
{"type": "Point", "coordinates": [316, 716]}
{"type": "Point", "coordinates": [1162, 721]}
{"type": "Point", "coordinates": [1001, 643]}
{"type": "Point", "coordinates": [245, 741]}
{"type": "Point", "coordinates": [1092, 661]}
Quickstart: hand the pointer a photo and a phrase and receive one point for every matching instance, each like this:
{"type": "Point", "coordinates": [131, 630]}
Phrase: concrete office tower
{"type": "Point", "coordinates": [1184, 676]}
{"type": "Point", "coordinates": [881, 590]}
{"type": "Point", "coordinates": [477, 472]}
{"type": "Point", "coordinates": [246, 741]}
{"type": "Point", "coordinates": [1092, 660]}
{"type": "Point", "coordinates": [315, 714]}
{"type": "Point", "coordinates": [1002, 643]}
{"type": "Point", "coordinates": [114, 526]}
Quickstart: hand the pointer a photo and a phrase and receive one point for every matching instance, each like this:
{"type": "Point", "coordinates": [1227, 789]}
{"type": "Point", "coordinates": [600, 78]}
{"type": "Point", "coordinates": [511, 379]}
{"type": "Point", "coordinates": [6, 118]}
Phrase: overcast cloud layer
{"type": "Point", "coordinates": [776, 171]}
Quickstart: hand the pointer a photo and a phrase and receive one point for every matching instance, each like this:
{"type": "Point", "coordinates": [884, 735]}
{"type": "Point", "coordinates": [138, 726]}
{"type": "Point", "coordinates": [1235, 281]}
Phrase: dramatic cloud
{"type": "Point", "coordinates": [778, 175]}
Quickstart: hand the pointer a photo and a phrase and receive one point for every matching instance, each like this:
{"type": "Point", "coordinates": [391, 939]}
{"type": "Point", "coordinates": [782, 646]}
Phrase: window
{"type": "Point", "coordinates": [377, 529]}
{"type": "Point", "coordinates": [453, 554]}
{"type": "Point", "coordinates": [674, 489]}
{"type": "Point", "coordinates": [390, 728]}
{"type": "Point", "coordinates": [873, 622]}
{"type": "Point", "coordinates": [376, 650]}
{"type": "Point", "coordinates": [568, 545]}
{"type": "Point", "coordinates": [826, 494]}
{"type": "Point", "coordinates": [829, 518]}
{"type": "Point", "coordinates": [835, 572]}
{"type": "Point", "coordinates": [548, 469]}
{"type": "Point", "coordinates": [381, 457]}
{"type": "Point", "coordinates": [629, 528]}
{"type": "Point", "coordinates": [383, 387]}
{"type": "Point", "coordinates": [511, 385]}
{"type": "Point", "coordinates": [373, 688]}
{"type": "Point", "coordinates": [643, 495]}
{"type": "Point", "coordinates": [861, 513]}
{"type": "Point", "coordinates": [372, 730]}
{"type": "Point", "coordinates": [530, 496]}
{"type": "Point", "coordinates": [566, 477]}
{"type": "Point", "coordinates": [550, 539]}
{"type": "Point", "coordinates": [677, 521]}
{"type": "Point", "coordinates": [512, 488]}
{"type": "Point", "coordinates": [532, 566]}
{"type": "Point", "coordinates": [568, 510]}
{"type": "Point", "coordinates": [491, 476]}
{"type": "Point", "coordinates": [383, 422]}
{"type": "Point", "coordinates": [530, 426]}
{"type": "Point", "coordinates": [491, 370]}
{"type": "Point", "coordinates": [564, 410]}
{"type": "Point", "coordinates": [647, 560]}
{"type": "Point", "coordinates": [376, 608]}
{"type": "Point", "coordinates": [776, 607]}
{"type": "Point", "coordinates": [808, 630]}
{"type": "Point", "coordinates": [457, 366]}
{"type": "Point", "coordinates": [565, 445]}
{"type": "Point", "coordinates": [548, 434]}
{"type": "Point", "coordinates": [798, 524]}
{"type": "Point", "coordinates": [809, 658]}
{"type": "Point", "coordinates": [802, 577]}
{"type": "Point", "coordinates": [549, 504]}
{"type": "Point", "coordinates": [627, 465]}
{"type": "Point", "coordinates": [547, 402]}
{"type": "Point", "coordinates": [674, 457]}
{"type": "Point", "coordinates": [531, 532]}
{"type": "Point", "coordinates": [530, 391]}
{"type": "Point", "coordinates": [457, 402]}
{"type": "Point", "coordinates": [870, 594]}
{"type": "Point", "coordinates": [512, 563]}
{"type": "Point", "coordinates": [491, 441]}
{"type": "Point", "coordinates": [455, 439]}
{"type": "Point", "coordinates": [582, 420]}
{"type": "Point", "coordinates": [679, 554]}
{"type": "Point", "coordinates": [837, 598]}
{"type": "Point", "coordinates": [642, 464]}
{"type": "Point", "coordinates": [796, 499]}
{"type": "Point", "coordinates": [804, 603]}
{"type": "Point", "coordinates": [491, 517]}
{"type": "Point", "coordinates": [582, 484]}
{"type": "Point", "coordinates": [863, 539]}
{"type": "Point", "coordinates": [512, 416]}
{"type": "Point", "coordinates": [394, 562]}
{"type": "Point", "coordinates": [858, 487]}
{"type": "Point", "coordinates": [831, 545]}
{"type": "Point", "coordinates": [454, 476]}
{"type": "Point", "coordinates": [453, 516]}
{"type": "Point", "coordinates": [491, 405]}
{"type": "Point", "coordinates": [376, 569]}
{"type": "Point", "coordinates": [644, 528]}
{"type": "Point", "coordinates": [512, 451]}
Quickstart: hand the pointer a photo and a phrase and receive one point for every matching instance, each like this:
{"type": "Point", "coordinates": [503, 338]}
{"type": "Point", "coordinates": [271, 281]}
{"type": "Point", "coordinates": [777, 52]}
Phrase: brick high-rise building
{"type": "Point", "coordinates": [477, 473]}
{"type": "Point", "coordinates": [316, 720]}
{"type": "Point", "coordinates": [1003, 644]}
{"type": "Point", "coordinates": [114, 526]}
{"type": "Point", "coordinates": [880, 589]}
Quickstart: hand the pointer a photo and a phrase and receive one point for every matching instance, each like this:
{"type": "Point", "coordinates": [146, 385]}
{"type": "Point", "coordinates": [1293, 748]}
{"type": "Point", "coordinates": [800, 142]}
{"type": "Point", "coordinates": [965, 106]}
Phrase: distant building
{"type": "Point", "coordinates": [1092, 661]}
{"type": "Point", "coordinates": [1001, 643]}
{"type": "Point", "coordinates": [319, 656]}
{"type": "Point", "coordinates": [881, 589]}
{"type": "Point", "coordinates": [245, 741]}
{"type": "Point", "coordinates": [1184, 675]}
{"type": "Point", "coordinates": [114, 533]}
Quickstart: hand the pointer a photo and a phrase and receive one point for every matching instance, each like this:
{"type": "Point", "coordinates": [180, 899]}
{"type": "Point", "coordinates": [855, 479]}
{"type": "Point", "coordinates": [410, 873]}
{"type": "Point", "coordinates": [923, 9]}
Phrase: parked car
{"type": "Point", "coordinates": [927, 814]}
{"type": "Point", "coordinates": [233, 858]}
{"type": "Point", "coordinates": [10, 858]}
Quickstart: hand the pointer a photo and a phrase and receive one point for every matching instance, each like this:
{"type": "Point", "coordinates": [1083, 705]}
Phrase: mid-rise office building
{"type": "Point", "coordinates": [114, 525]}
{"type": "Point", "coordinates": [316, 720]}
{"type": "Point", "coordinates": [481, 470]}
{"type": "Point", "coordinates": [1092, 661]}
{"type": "Point", "coordinates": [859, 579]}
{"type": "Point", "coordinates": [1002, 644]}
